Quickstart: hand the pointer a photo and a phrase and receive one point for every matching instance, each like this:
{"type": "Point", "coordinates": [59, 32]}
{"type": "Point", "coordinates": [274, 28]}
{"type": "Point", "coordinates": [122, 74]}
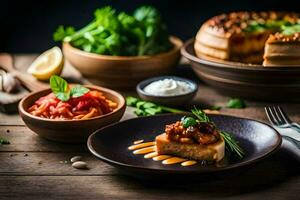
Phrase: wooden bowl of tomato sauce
{"type": "Point", "coordinates": [74, 130]}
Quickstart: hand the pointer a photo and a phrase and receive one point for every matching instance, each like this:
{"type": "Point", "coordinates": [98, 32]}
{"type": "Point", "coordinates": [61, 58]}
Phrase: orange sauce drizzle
{"type": "Point", "coordinates": [138, 141]}
{"type": "Point", "coordinates": [161, 157]}
{"type": "Point", "coordinates": [145, 150]}
{"type": "Point", "coordinates": [173, 160]}
{"type": "Point", "coordinates": [151, 155]}
{"type": "Point", "coordinates": [141, 145]}
{"type": "Point", "coordinates": [188, 163]}
{"type": "Point", "coordinates": [149, 149]}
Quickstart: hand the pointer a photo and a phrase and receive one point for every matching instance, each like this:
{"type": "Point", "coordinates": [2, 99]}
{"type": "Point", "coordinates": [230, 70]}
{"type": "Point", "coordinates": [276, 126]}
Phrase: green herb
{"type": "Point", "coordinates": [200, 114]}
{"type": "Point", "coordinates": [64, 96]}
{"type": "Point", "coordinates": [236, 103]}
{"type": "Point", "coordinates": [255, 26]}
{"type": "Point", "coordinates": [60, 88]}
{"type": "Point", "coordinates": [78, 90]}
{"type": "Point", "coordinates": [4, 141]}
{"type": "Point", "coordinates": [188, 121]}
{"type": "Point", "coordinates": [145, 108]}
{"type": "Point", "coordinates": [131, 101]}
{"type": "Point", "coordinates": [291, 29]}
{"type": "Point", "coordinates": [231, 144]}
{"type": "Point", "coordinates": [112, 33]}
{"type": "Point", "coordinates": [58, 84]}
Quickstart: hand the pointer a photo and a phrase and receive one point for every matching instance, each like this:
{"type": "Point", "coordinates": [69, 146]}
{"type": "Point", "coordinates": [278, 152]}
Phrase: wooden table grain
{"type": "Point", "coordinates": [34, 168]}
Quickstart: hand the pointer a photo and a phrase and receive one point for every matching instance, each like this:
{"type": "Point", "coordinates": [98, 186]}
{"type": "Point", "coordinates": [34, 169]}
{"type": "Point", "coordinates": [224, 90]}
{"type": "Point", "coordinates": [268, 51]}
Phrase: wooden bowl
{"type": "Point", "coordinates": [122, 72]}
{"type": "Point", "coordinates": [245, 80]}
{"type": "Point", "coordinates": [69, 131]}
{"type": "Point", "coordinates": [175, 100]}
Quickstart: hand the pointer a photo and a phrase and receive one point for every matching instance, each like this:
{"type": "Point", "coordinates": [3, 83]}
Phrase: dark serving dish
{"type": "Point", "coordinates": [167, 100]}
{"type": "Point", "coordinates": [257, 139]}
{"type": "Point", "coordinates": [246, 80]}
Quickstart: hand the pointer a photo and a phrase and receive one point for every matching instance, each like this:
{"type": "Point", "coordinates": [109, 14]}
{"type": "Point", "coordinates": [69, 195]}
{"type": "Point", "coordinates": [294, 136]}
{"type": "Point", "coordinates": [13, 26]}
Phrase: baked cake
{"type": "Point", "coordinates": [240, 36]}
{"type": "Point", "coordinates": [282, 50]}
{"type": "Point", "coordinates": [198, 142]}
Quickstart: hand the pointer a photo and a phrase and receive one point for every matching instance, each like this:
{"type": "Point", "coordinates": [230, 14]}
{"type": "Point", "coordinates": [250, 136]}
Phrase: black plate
{"type": "Point", "coordinates": [110, 144]}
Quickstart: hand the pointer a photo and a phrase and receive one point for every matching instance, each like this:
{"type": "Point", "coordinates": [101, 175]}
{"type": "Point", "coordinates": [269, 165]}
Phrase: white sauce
{"type": "Point", "coordinates": [168, 87]}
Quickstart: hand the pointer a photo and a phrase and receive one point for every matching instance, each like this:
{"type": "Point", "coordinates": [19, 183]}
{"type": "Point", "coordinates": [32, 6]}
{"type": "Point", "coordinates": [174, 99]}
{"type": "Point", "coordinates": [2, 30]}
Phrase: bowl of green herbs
{"type": "Point", "coordinates": [118, 50]}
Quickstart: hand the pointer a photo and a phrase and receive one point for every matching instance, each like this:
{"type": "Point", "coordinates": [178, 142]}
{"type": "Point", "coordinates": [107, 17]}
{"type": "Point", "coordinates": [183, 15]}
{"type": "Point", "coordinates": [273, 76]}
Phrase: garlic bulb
{"type": "Point", "coordinates": [8, 83]}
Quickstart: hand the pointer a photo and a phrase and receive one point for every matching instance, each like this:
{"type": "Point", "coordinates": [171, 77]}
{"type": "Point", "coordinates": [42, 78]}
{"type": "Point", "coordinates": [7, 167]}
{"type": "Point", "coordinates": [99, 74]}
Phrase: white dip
{"type": "Point", "coordinates": [168, 87]}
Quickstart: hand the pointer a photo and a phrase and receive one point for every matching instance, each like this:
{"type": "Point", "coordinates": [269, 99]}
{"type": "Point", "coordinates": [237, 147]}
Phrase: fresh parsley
{"type": "Point", "coordinates": [120, 34]}
{"type": "Point", "coordinates": [62, 91]}
{"type": "Point", "coordinates": [145, 108]}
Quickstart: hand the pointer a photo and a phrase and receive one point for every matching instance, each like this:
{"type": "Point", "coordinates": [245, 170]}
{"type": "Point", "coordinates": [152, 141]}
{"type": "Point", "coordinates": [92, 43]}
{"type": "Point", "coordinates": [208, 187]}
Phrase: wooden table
{"type": "Point", "coordinates": [34, 168]}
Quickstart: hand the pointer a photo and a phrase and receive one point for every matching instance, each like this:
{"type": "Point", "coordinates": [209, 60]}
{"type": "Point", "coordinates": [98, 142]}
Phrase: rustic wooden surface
{"type": "Point", "coordinates": [34, 168]}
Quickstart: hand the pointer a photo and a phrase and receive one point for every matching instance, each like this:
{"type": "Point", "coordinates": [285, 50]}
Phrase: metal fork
{"type": "Point", "coordinates": [279, 118]}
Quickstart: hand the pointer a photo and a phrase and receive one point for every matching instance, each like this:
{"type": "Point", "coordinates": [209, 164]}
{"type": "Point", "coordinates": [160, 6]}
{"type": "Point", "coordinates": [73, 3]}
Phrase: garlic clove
{"type": "Point", "coordinates": [9, 83]}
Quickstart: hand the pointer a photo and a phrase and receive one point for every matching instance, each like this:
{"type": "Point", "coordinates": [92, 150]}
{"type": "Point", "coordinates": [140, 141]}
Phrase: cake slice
{"type": "Point", "coordinates": [239, 36]}
{"type": "Point", "coordinates": [199, 141]}
{"type": "Point", "coordinates": [211, 152]}
{"type": "Point", "coordinates": [282, 50]}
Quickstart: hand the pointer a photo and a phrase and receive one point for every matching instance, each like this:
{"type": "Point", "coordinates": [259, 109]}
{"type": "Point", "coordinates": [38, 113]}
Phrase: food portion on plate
{"type": "Point", "coordinates": [200, 141]}
{"type": "Point", "coordinates": [120, 34]}
{"type": "Point", "coordinates": [67, 102]}
{"type": "Point", "coordinates": [242, 36]}
{"type": "Point", "coordinates": [190, 140]}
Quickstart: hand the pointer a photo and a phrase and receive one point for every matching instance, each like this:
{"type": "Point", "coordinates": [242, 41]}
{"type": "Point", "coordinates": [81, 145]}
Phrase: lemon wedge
{"type": "Point", "coordinates": [49, 63]}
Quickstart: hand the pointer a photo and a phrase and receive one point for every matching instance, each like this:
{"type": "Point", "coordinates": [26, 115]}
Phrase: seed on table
{"type": "Point", "coordinates": [76, 158]}
{"type": "Point", "coordinates": [80, 165]}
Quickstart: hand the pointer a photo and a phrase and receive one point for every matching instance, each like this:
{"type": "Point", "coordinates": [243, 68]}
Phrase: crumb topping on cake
{"type": "Point", "coordinates": [279, 37]}
{"type": "Point", "coordinates": [238, 22]}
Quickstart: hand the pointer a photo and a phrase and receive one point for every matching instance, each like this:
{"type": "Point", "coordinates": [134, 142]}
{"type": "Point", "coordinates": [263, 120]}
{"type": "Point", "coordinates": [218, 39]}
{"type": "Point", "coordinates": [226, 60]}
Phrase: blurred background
{"type": "Point", "coordinates": [27, 25]}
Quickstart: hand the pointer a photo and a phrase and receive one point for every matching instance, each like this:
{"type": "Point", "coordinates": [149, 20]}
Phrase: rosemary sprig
{"type": "Point", "coordinates": [230, 142]}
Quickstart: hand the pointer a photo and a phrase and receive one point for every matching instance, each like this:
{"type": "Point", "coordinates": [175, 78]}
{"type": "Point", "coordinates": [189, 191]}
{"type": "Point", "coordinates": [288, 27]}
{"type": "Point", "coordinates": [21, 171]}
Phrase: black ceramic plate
{"type": "Point", "coordinates": [110, 144]}
{"type": "Point", "coordinates": [245, 80]}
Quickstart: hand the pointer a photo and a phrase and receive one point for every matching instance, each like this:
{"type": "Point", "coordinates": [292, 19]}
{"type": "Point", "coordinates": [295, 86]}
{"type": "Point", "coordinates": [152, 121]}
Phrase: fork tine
{"type": "Point", "coordinates": [278, 115]}
{"type": "Point", "coordinates": [270, 116]}
{"type": "Point", "coordinates": [284, 115]}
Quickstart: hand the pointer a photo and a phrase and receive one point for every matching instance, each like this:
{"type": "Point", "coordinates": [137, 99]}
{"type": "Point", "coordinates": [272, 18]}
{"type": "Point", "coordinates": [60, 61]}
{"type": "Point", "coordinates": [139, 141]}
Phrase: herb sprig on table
{"type": "Point", "coordinates": [145, 108]}
{"type": "Point", "coordinates": [120, 34]}
{"type": "Point", "coordinates": [231, 144]}
{"type": "Point", "coordinates": [236, 103]}
{"type": "Point", "coordinates": [60, 88]}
